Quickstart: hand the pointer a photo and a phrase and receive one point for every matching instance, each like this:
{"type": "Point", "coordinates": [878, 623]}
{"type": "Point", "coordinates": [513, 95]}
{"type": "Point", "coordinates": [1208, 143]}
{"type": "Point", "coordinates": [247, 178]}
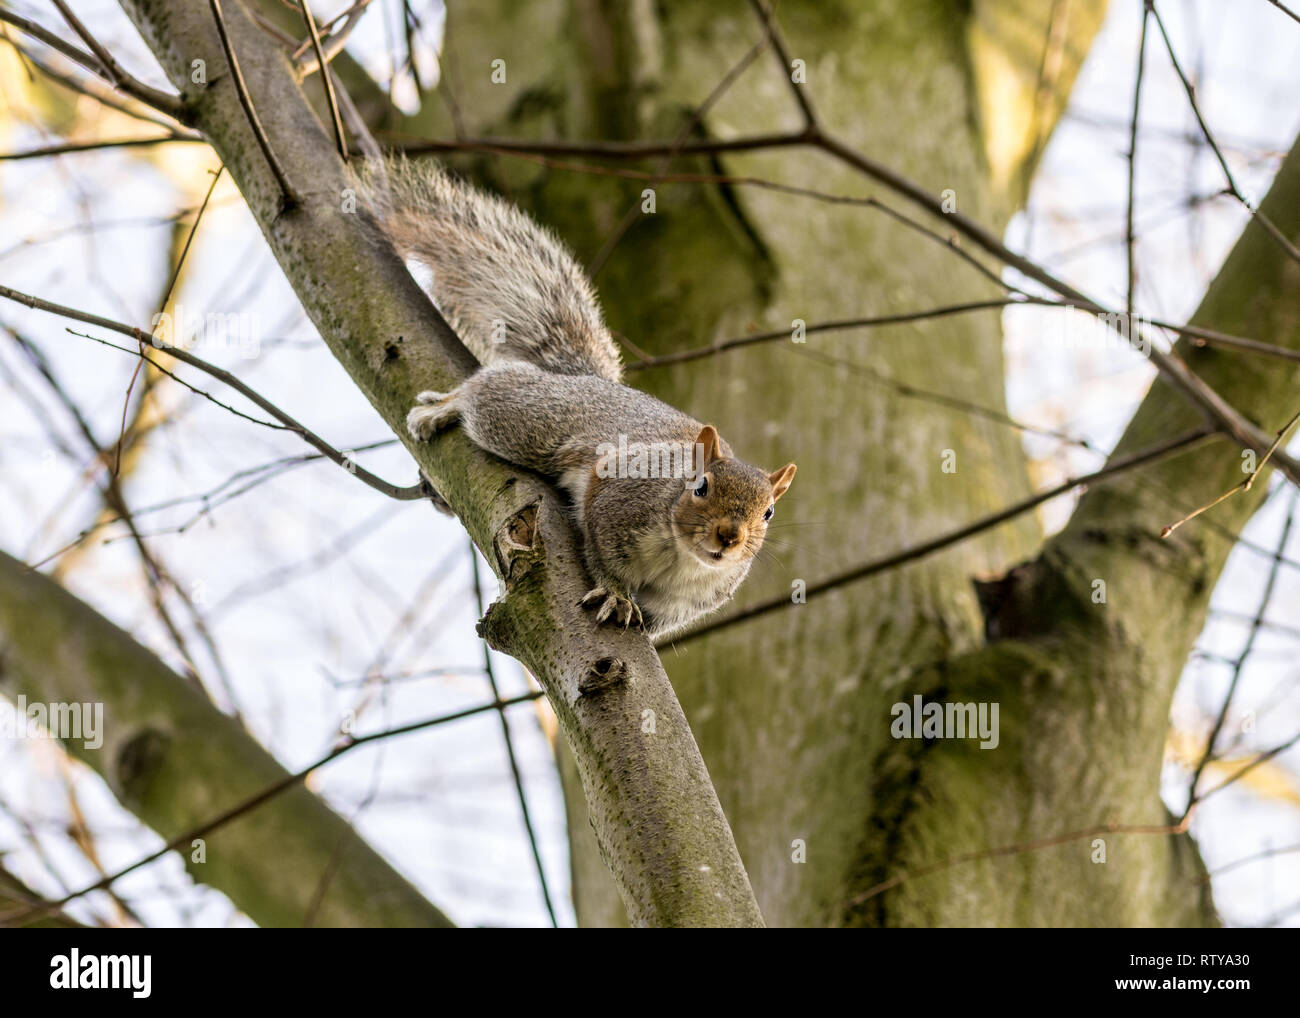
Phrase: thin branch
{"type": "Point", "coordinates": [1239, 665]}
{"type": "Point", "coordinates": [329, 26]}
{"type": "Point", "coordinates": [162, 307]}
{"type": "Point", "coordinates": [1245, 485]}
{"type": "Point", "coordinates": [69, 147]}
{"type": "Point", "coordinates": [634, 211]}
{"type": "Point", "coordinates": [287, 193]}
{"type": "Point", "coordinates": [1191, 386]}
{"type": "Point", "coordinates": [908, 391]}
{"type": "Point", "coordinates": [412, 493]}
{"type": "Point", "coordinates": [1262, 758]}
{"type": "Point", "coordinates": [1269, 227]}
{"type": "Point", "coordinates": [739, 342]}
{"type": "Point", "coordinates": [1267, 853]}
{"type": "Point", "coordinates": [801, 97]}
{"type": "Point", "coordinates": [1017, 849]}
{"type": "Point", "coordinates": [1130, 239]}
{"type": "Point", "coordinates": [515, 771]}
{"type": "Point", "coordinates": [1286, 10]}
{"type": "Point", "coordinates": [1183, 380]}
{"type": "Point", "coordinates": [340, 136]}
{"type": "Point", "coordinates": [927, 548]}
{"type": "Point", "coordinates": [161, 101]}
{"type": "Point", "coordinates": [209, 500]}
{"type": "Point", "coordinates": [254, 801]}
{"type": "Point", "coordinates": [333, 43]}
{"type": "Point", "coordinates": [1208, 337]}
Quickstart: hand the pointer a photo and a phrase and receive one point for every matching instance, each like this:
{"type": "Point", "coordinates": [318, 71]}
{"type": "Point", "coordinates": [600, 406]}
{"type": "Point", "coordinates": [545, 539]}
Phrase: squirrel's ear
{"type": "Point", "coordinates": [781, 480]}
{"type": "Point", "coordinates": [707, 445]}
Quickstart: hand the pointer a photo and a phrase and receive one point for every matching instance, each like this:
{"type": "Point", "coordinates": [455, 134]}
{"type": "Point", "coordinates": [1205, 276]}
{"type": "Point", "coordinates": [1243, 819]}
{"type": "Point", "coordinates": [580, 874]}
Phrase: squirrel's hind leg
{"type": "Point", "coordinates": [436, 412]}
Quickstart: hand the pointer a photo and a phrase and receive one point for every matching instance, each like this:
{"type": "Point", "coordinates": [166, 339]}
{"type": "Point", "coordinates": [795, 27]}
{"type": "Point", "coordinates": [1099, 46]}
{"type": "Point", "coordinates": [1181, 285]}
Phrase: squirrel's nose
{"type": "Point", "coordinates": [728, 533]}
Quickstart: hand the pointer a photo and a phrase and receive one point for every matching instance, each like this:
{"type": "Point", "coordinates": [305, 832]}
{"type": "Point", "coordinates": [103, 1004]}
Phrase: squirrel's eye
{"type": "Point", "coordinates": [702, 488]}
{"type": "Point", "coordinates": [768, 515]}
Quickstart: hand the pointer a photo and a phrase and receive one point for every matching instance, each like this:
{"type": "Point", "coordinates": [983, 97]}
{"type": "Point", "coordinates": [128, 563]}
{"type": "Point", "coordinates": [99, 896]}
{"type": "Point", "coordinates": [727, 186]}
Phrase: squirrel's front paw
{"type": "Point", "coordinates": [435, 413]}
{"type": "Point", "coordinates": [612, 607]}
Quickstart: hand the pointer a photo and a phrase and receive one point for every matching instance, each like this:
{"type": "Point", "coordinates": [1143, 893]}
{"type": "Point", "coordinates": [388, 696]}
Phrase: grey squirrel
{"type": "Point", "coordinates": [670, 520]}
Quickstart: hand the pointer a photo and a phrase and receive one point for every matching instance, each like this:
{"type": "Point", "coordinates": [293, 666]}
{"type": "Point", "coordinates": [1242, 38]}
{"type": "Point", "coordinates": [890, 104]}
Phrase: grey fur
{"type": "Point", "coordinates": [508, 286]}
{"type": "Point", "coordinates": [549, 398]}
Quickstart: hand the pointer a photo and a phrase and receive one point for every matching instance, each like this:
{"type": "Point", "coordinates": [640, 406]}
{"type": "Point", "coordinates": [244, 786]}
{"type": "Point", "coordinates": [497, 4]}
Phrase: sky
{"type": "Point", "coordinates": [342, 579]}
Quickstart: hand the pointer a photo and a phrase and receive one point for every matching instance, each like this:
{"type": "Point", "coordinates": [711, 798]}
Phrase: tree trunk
{"type": "Point", "coordinates": [653, 807]}
{"type": "Point", "coordinates": [793, 712]}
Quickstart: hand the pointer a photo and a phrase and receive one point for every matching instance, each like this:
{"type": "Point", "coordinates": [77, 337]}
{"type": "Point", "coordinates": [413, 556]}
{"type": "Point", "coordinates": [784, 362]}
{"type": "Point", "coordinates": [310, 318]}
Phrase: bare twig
{"type": "Point", "coordinates": [1129, 238]}
{"type": "Point", "coordinates": [926, 548]}
{"type": "Point", "coordinates": [1286, 10]}
{"type": "Point", "coordinates": [621, 150]}
{"type": "Point", "coordinates": [774, 335]}
{"type": "Point", "coordinates": [69, 147]}
{"type": "Point", "coordinates": [162, 307]}
{"type": "Point", "coordinates": [163, 102]}
{"type": "Point", "coordinates": [1208, 337]}
{"type": "Point", "coordinates": [1245, 485]}
{"type": "Point", "coordinates": [908, 391]}
{"type": "Point", "coordinates": [1239, 665]}
{"type": "Point", "coordinates": [411, 493]}
{"type": "Point", "coordinates": [1269, 227]}
{"type": "Point", "coordinates": [801, 97]}
{"type": "Point", "coordinates": [253, 802]}
{"type": "Point", "coordinates": [210, 499]}
{"type": "Point", "coordinates": [287, 193]}
{"type": "Point", "coordinates": [340, 136]}
{"type": "Point", "coordinates": [1267, 853]}
{"type": "Point", "coordinates": [353, 16]}
{"type": "Point", "coordinates": [515, 772]}
{"type": "Point", "coordinates": [1262, 758]}
{"type": "Point", "coordinates": [1018, 849]}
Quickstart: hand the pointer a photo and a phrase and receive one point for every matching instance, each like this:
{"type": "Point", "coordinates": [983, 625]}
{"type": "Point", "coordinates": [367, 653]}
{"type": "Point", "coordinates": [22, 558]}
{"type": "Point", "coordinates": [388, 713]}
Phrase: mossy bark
{"type": "Point", "coordinates": [660, 825]}
{"type": "Point", "coordinates": [177, 762]}
{"type": "Point", "coordinates": [793, 712]}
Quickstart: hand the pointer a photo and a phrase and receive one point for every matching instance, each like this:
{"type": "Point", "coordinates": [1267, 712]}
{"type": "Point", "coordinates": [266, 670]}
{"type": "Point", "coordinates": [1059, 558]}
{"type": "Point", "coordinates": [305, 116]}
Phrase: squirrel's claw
{"type": "Point", "coordinates": [434, 413]}
{"type": "Point", "coordinates": [615, 607]}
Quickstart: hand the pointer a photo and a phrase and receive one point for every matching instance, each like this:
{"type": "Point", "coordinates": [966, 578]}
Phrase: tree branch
{"type": "Point", "coordinates": [106, 67]}
{"type": "Point", "coordinates": [652, 803]}
{"type": "Point", "coordinates": [410, 493]}
{"type": "Point", "coordinates": [173, 759]}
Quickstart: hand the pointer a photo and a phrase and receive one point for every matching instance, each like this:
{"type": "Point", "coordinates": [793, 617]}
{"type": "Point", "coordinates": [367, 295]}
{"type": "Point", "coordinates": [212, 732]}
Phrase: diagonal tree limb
{"type": "Point", "coordinates": [652, 804]}
{"type": "Point", "coordinates": [16, 895]}
{"type": "Point", "coordinates": [175, 760]}
{"type": "Point", "coordinates": [112, 73]}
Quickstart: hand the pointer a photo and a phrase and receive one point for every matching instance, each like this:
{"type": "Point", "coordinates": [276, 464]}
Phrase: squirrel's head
{"type": "Point", "coordinates": [723, 513]}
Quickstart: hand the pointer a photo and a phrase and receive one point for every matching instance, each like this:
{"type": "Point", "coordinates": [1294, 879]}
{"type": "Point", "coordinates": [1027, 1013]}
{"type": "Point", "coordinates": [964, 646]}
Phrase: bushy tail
{"type": "Point", "coordinates": [508, 286]}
